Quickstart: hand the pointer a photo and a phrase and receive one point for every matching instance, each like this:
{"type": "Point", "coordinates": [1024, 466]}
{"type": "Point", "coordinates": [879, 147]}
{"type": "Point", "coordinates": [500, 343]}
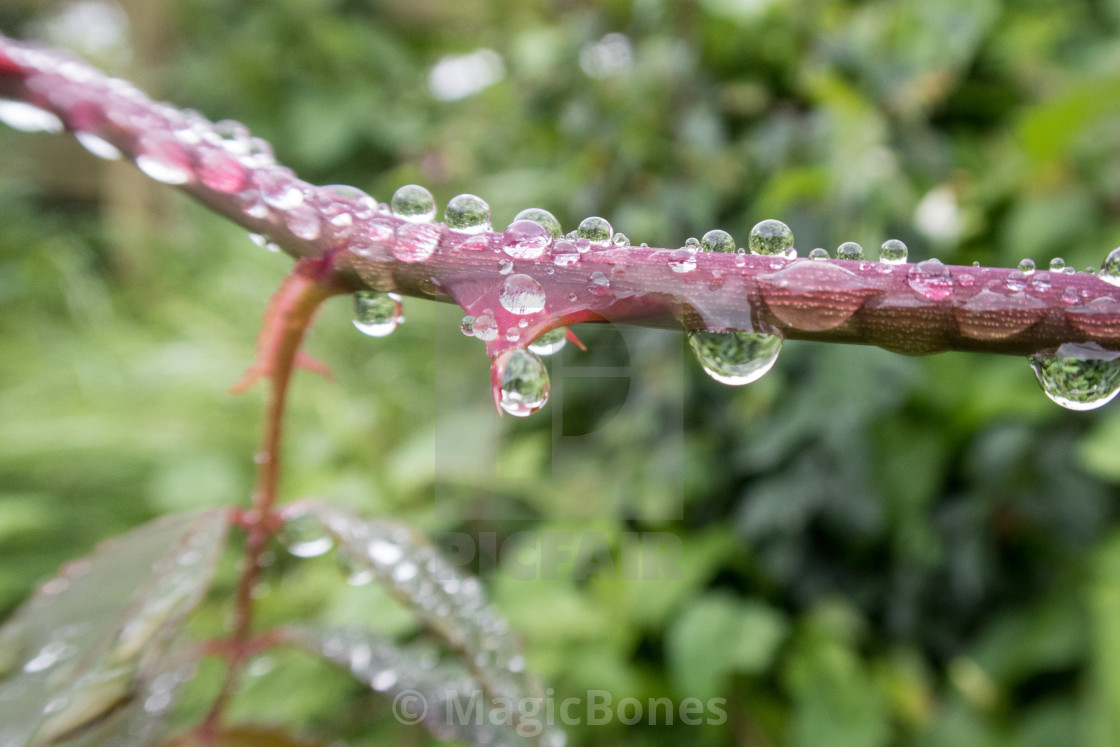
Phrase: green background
{"type": "Point", "coordinates": [875, 549]}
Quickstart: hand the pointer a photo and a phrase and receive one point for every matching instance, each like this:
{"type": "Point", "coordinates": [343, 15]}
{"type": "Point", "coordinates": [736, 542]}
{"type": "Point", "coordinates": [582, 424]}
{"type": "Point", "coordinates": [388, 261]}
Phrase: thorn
{"type": "Point", "coordinates": [575, 340]}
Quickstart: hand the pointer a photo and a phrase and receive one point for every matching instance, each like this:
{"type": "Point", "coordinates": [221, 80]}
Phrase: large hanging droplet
{"type": "Point", "coordinates": [735, 358]}
{"type": "Point", "coordinates": [413, 203]}
{"type": "Point", "coordinates": [467, 214]}
{"type": "Point", "coordinates": [521, 295]}
{"type": "Point", "coordinates": [893, 252]}
{"type": "Point", "coordinates": [595, 229]}
{"type": "Point", "coordinates": [97, 146]}
{"type": "Point", "coordinates": [772, 237]}
{"type": "Point", "coordinates": [376, 314]}
{"type": "Point", "coordinates": [162, 158]}
{"type": "Point", "coordinates": [1110, 268]}
{"type": "Point", "coordinates": [545, 218]}
{"type": "Point", "coordinates": [1079, 376]}
{"type": "Point", "coordinates": [525, 239]}
{"type": "Point", "coordinates": [717, 241]}
{"type": "Point", "coordinates": [550, 342]}
{"type": "Point", "coordinates": [524, 383]}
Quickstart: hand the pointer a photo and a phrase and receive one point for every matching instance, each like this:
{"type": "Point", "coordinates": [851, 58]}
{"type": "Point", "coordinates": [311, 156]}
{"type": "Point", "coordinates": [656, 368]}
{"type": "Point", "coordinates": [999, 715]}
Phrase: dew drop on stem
{"type": "Point", "coordinates": [849, 250]}
{"type": "Point", "coordinates": [595, 229]}
{"type": "Point", "coordinates": [467, 214]}
{"type": "Point", "coordinates": [819, 254]}
{"type": "Point", "coordinates": [524, 383]}
{"type": "Point", "coordinates": [893, 252]}
{"type": "Point", "coordinates": [1110, 268]}
{"type": "Point", "coordinates": [544, 218]}
{"type": "Point", "coordinates": [526, 239]}
{"type": "Point", "coordinates": [1079, 376]}
{"type": "Point", "coordinates": [772, 238]}
{"type": "Point", "coordinates": [550, 342]}
{"type": "Point", "coordinates": [413, 203]}
{"type": "Point", "coordinates": [521, 294]}
{"type": "Point", "coordinates": [735, 358]}
{"type": "Point", "coordinates": [376, 314]}
{"type": "Point", "coordinates": [717, 240]}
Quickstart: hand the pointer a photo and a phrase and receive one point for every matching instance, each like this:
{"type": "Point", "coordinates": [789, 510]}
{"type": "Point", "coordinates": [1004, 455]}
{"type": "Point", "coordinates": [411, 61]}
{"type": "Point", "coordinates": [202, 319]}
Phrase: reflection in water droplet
{"type": "Point", "coordinates": [1016, 280]}
{"type": "Point", "coordinates": [1079, 376]}
{"type": "Point", "coordinates": [485, 328]}
{"type": "Point", "coordinates": [818, 254]}
{"type": "Point", "coordinates": [467, 326]}
{"type": "Point", "coordinates": [467, 214]}
{"type": "Point", "coordinates": [931, 279]}
{"type": "Point", "coordinates": [620, 240]}
{"type": "Point", "coordinates": [303, 222]}
{"type": "Point", "coordinates": [413, 203]}
{"type": "Point", "coordinates": [545, 218]}
{"type": "Point", "coordinates": [564, 253]}
{"type": "Point", "coordinates": [1040, 282]}
{"type": "Point", "coordinates": [97, 146]}
{"type": "Point", "coordinates": [305, 536]}
{"type": "Point", "coordinates": [550, 342]}
{"type": "Point", "coordinates": [376, 314]}
{"type": "Point", "coordinates": [521, 294]}
{"type": "Point", "coordinates": [598, 283]}
{"type": "Point", "coordinates": [735, 358]}
{"type": "Point", "coordinates": [594, 229]}
{"type": "Point", "coordinates": [683, 259]}
{"type": "Point", "coordinates": [1057, 264]}
{"type": "Point", "coordinates": [221, 172]}
{"type": "Point", "coordinates": [1110, 268]}
{"type": "Point", "coordinates": [415, 242]}
{"type": "Point", "coordinates": [162, 158]}
{"type": "Point", "coordinates": [717, 240]}
{"type": "Point", "coordinates": [992, 316]}
{"type": "Point", "coordinates": [893, 252]}
{"type": "Point", "coordinates": [771, 237]}
{"type": "Point", "coordinates": [1026, 266]}
{"type": "Point", "coordinates": [525, 239]}
{"type": "Point", "coordinates": [28, 118]}
{"type": "Point", "coordinates": [524, 383]}
{"type": "Point", "coordinates": [849, 250]}
{"type": "Point", "coordinates": [505, 266]}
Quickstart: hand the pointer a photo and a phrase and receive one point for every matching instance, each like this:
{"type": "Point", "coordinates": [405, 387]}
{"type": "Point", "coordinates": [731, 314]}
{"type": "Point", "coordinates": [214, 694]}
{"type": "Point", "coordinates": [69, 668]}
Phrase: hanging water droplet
{"type": "Point", "coordinates": [305, 536]}
{"type": "Point", "coordinates": [735, 358]}
{"type": "Point", "coordinates": [414, 242]}
{"type": "Point", "coordinates": [467, 214]}
{"type": "Point", "coordinates": [97, 146]}
{"type": "Point", "coordinates": [28, 118]}
{"type": "Point", "coordinates": [564, 253]}
{"type": "Point", "coordinates": [376, 314]}
{"type": "Point", "coordinates": [525, 239]}
{"type": "Point", "coordinates": [505, 266]}
{"type": "Point", "coordinates": [717, 240]}
{"type": "Point", "coordinates": [594, 229]}
{"type": "Point", "coordinates": [620, 240]}
{"type": "Point", "coordinates": [524, 383]}
{"type": "Point", "coordinates": [598, 283]}
{"type": "Point", "coordinates": [683, 259]}
{"type": "Point", "coordinates": [262, 241]}
{"type": "Point", "coordinates": [819, 254]}
{"type": "Point", "coordinates": [550, 342]}
{"type": "Point", "coordinates": [467, 326]}
{"type": "Point", "coordinates": [931, 279]}
{"type": "Point", "coordinates": [413, 203]}
{"type": "Point", "coordinates": [545, 218]}
{"type": "Point", "coordinates": [1079, 376]}
{"type": "Point", "coordinates": [1110, 267]}
{"type": "Point", "coordinates": [521, 294]}
{"type": "Point", "coordinates": [1026, 266]}
{"type": "Point", "coordinates": [771, 237]}
{"type": "Point", "coordinates": [849, 250]}
{"type": "Point", "coordinates": [485, 328]}
{"type": "Point", "coordinates": [1057, 264]}
{"type": "Point", "coordinates": [162, 158]}
{"type": "Point", "coordinates": [892, 252]}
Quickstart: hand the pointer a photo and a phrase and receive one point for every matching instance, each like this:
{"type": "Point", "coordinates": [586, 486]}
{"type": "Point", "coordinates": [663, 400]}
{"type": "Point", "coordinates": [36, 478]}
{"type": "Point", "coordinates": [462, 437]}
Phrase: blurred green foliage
{"type": "Point", "coordinates": [874, 550]}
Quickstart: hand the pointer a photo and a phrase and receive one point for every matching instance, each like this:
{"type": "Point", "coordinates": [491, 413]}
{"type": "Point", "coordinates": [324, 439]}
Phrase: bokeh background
{"type": "Point", "coordinates": [876, 550]}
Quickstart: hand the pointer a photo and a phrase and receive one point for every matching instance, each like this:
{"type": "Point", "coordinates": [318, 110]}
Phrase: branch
{"type": "Point", "coordinates": [528, 281]}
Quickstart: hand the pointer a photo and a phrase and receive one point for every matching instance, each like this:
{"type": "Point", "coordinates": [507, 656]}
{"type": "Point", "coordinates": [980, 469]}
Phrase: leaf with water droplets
{"type": "Point", "coordinates": [81, 652]}
{"type": "Point", "coordinates": [449, 603]}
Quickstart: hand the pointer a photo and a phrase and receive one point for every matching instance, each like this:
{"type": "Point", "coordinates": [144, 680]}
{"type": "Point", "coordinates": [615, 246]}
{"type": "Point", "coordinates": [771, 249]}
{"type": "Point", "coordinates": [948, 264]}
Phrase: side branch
{"type": "Point", "coordinates": [909, 308]}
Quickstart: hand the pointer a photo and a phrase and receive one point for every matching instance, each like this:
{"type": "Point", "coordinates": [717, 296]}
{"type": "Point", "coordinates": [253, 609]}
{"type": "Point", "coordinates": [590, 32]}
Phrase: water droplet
{"type": "Point", "coordinates": [1026, 266]}
{"type": "Point", "coordinates": [931, 279]}
{"type": "Point", "coordinates": [564, 253]}
{"type": "Point", "coordinates": [521, 295]}
{"type": "Point", "coordinates": [583, 246]}
{"type": "Point", "coordinates": [467, 214]}
{"type": "Point", "coordinates": [966, 280]}
{"type": "Point", "coordinates": [303, 222]}
{"type": "Point", "coordinates": [162, 158]}
{"type": "Point", "coordinates": [97, 146]}
{"type": "Point", "coordinates": [735, 358]}
{"type": "Point", "coordinates": [1040, 282]}
{"type": "Point", "coordinates": [771, 237]}
{"type": "Point", "coordinates": [28, 118]}
{"type": "Point", "coordinates": [683, 259]}
{"type": "Point", "coordinates": [849, 250]}
{"type": "Point", "coordinates": [221, 172]}
{"type": "Point", "coordinates": [1070, 295]}
{"type": "Point", "coordinates": [550, 342]}
{"type": "Point", "coordinates": [415, 242]}
{"type": "Point", "coordinates": [892, 252]}
{"type": "Point", "coordinates": [1016, 280]}
{"type": "Point", "coordinates": [512, 335]}
{"type": "Point", "coordinates": [305, 536]}
{"type": "Point", "coordinates": [467, 326]}
{"type": "Point", "coordinates": [620, 240]}
{"type": "Point", "coordinates": [594, 229]}
{"type": "Point", "coordinates": [692, 243]}
{"type": "Point", "coordinates": [1057, 264]}
{"type": "Point", "coordinates": [545, 218]}
{"type": "Point", "coordinates": [1101, 316]}
{"type": "Point", "coordinates": [524, 383]}
{"type": "Point", "coordinates": [1110, 267]}
{"type": "Point", "coordinates": [992, 316]}
{"type": "Point", "coordinates": [413, 203]}
{"type": "Point", "coordinates": [818, 254]}
{"type": "Point", "coordinates": [717, 241]}
{"type": "Point", "coordinates": [1079, 376]}
{"type": "Point", "coordinates": [814, 295]}
{"type": "Point", "coordinates": [279, 189]}
{"type": "Point", "coordinates": [598, 283]}
{"type": "Point", "coordinates": [505, 266]}
{"type": "Point", "coordinates": [485, 328]}
{"type": "Point", "coordinates": [376, 314]}
{"type": "Point", "coordinates": [262, 241]}
{"type": "Point", "coordinates": [525, 239]}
